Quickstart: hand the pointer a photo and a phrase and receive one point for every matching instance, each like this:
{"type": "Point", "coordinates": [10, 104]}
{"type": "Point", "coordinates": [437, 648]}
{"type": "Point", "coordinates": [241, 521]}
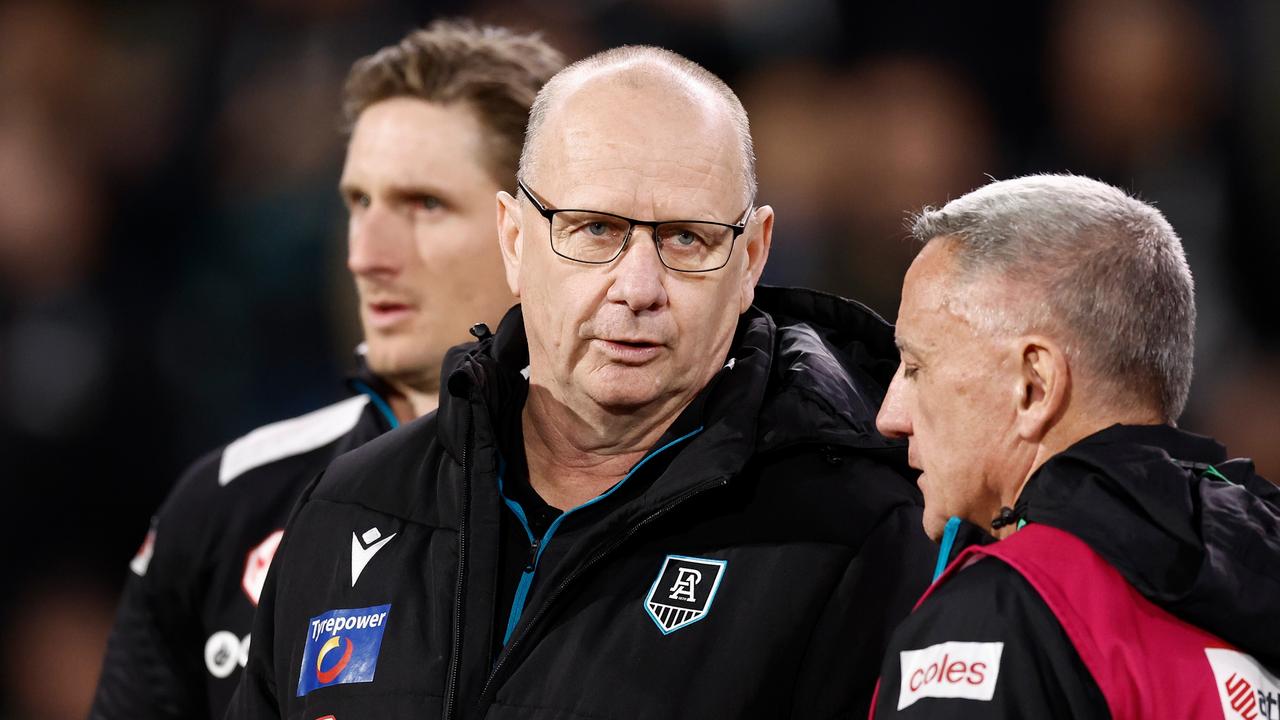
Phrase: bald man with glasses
{"type": "Point", "coordinates": [655, 491]}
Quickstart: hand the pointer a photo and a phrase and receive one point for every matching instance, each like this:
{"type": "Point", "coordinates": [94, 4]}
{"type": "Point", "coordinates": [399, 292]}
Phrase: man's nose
{"type": "Point", "coordinates": [893, 420]}
{"type": "Point", "coordinates": [639, 274]}
{"type": "Point", "coordinates": [376, 242]}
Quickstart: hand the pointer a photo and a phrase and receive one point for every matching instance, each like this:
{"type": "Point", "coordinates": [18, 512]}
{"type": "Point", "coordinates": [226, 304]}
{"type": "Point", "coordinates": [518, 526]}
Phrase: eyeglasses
{"type": "Point", "coordinates": [599, 238]}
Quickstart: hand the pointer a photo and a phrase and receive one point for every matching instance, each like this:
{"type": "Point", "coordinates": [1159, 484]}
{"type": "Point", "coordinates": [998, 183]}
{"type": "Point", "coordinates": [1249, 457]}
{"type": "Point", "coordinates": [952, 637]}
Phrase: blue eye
{"type": "Point", "coordinates": [686, 238]}
{"type": "Point", "coordinates": [598, 229]}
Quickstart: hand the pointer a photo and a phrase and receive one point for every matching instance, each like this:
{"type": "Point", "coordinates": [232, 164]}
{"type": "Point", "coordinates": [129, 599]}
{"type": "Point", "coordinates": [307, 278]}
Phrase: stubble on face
{"type": "Point", "coordinates": [424, 253]}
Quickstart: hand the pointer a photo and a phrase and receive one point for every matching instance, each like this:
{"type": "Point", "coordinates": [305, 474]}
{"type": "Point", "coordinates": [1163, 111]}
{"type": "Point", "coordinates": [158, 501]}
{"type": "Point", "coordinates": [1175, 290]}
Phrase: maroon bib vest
{"type": "Point", "coordinates": [1146, 662]}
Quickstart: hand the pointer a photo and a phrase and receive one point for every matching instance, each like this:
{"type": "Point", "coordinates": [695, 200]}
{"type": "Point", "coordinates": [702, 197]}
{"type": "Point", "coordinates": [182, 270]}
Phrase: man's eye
{"type": "Point", "coordinates": [909, 371]}
{"type": "Point", "coordinates": [598, 229]}
{"type": "Point", "coordinates": [429, 202]}
{"type": "Point", "coordinates": [686, 238]}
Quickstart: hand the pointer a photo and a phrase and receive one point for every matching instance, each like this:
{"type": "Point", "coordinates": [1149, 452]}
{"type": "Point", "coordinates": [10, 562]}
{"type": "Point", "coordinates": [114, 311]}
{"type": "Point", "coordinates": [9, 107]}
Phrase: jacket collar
{"type": "Point", "coordinates": [1202, 543]}
{"type": "Point", "coordinates": [362, 380]}
{"type": "Point", "coordinates": [489, 376]}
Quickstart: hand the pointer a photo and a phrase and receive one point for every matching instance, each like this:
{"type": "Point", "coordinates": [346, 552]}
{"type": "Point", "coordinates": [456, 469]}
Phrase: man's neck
{"type": "Point", "coordinates": [1071, 429]}
{"type": "Point", "coordinates": [573, 457]}
{"type": "Point", "coordinates": [409, 403]}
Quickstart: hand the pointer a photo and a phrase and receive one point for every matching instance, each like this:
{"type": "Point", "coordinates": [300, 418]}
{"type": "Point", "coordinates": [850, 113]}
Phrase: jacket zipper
{"type": "Point", "coordinates": [451, 690]}
{"type": "Point", "coordinates": [530, 561]}
{"type": "Point", "coordinates": [555, 595]}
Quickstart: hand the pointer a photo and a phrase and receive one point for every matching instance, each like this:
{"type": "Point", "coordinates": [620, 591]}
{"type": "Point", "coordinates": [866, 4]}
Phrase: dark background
{"type": "Point", "coordinates": [171, 239]}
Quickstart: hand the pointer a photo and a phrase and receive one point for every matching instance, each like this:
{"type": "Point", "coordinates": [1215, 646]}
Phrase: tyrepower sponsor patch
{"type": "Point", "coordinates": [1247, 691]}
{"type": "Point", "coordinates": [950, 670]}
{"type": "Point", "coordinates": [342, 647]}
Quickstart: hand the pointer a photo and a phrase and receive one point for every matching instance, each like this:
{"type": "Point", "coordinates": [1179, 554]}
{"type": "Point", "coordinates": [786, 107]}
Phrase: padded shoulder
{"type": "Point", "coordinates": [287, 438]}
{"type": "Point", "coordinates": [399, 473]}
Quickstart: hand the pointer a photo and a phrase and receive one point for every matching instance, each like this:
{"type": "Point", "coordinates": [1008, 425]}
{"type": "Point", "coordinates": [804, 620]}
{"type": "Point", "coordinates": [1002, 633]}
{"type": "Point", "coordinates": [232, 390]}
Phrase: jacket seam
{"type": "Point", "coordinates": [363, 506]}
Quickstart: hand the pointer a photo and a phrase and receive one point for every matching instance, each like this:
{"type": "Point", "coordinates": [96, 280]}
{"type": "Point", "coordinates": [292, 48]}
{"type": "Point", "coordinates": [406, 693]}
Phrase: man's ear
{"type": "Point", "coordinates": [510, 238]}
{"type": "Point", "coordinates": [1044, 384]}
{"type": "Point", "coordinates": [759, 238]}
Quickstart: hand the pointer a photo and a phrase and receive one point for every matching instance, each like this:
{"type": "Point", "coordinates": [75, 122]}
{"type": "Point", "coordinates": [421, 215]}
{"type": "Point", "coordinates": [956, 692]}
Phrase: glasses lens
{"type": "Point", "coordinates": [588, 237]}
{"type": "Point", "coordinates": [694, 245]}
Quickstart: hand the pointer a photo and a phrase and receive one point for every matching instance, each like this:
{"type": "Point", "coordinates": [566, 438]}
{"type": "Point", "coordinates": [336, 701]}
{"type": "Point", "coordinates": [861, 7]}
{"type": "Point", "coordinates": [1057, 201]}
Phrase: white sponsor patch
{"type": "Point", "coordinates": [1247, 691]}
{"type": "Point", "coordinates": [142, 560]}
{"type": "Point", "coordinates": [224, 652]}
{"type": "Point", "coordinates": [257, 564]}
{"type": "Point", "coordinates": [950, 670]}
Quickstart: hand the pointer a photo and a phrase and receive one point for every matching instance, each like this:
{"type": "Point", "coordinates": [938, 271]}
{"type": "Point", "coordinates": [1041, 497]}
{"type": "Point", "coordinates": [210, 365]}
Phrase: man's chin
{"type": "Point", "coordinates": [623, 397]}
{"type": "Point", "coordinates": [403, 368]}
{"type": "Point", "coordinates": [622, 403]}
{"type": "Point", "coordinates": [934, 526]}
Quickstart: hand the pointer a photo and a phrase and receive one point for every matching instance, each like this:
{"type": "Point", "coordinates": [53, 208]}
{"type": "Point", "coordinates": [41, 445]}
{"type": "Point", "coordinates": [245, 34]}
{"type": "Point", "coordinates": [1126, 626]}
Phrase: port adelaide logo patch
{"type": "Point", "coordinates": [683, 592]}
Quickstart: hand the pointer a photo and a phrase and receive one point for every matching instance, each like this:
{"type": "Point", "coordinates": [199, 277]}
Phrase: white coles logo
{"type": "Point", "coordinates": [257, 564]}
{"type": "Point", "coordinates": [1247, 691]}
{"type": "Point", "coordinates": [950, 670]}
{"type": "Point", "coordinates": [224, 652]}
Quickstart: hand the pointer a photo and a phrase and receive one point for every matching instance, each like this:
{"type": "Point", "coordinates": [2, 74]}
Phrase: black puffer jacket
{"type": "Point", "coordinates": [752, 565]}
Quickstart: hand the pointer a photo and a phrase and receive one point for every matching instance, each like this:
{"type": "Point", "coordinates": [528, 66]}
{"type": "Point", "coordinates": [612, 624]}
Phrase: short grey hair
{"type": "Point", "coordinates": [1107, 270]}
{"type": "Point", "coordinates": [643, 57]}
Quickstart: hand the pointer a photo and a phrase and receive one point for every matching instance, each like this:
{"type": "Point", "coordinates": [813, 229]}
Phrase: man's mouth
{"type": "Point", "coordinates": [384, 314]}
{"type": "Point", "coordinates": [628, 351]}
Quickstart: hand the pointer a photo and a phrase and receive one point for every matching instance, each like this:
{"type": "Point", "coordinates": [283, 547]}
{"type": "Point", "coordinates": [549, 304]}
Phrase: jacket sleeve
{"type": "Point", "coordinates": [153, 667]}
{"type": "Point", "coordinates": [886, 576]}
{"type": "Point", "coordinates": [985, 645]}
{"type": "Point", "coordinates": [141, 676]}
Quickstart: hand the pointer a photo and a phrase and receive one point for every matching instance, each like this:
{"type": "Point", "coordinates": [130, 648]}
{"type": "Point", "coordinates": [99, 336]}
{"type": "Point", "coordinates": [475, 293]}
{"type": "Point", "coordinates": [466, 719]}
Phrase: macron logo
{"type": "Point", "coordinates": [950, 670]}
{"type": "Point", "coordinates": [363, 548]}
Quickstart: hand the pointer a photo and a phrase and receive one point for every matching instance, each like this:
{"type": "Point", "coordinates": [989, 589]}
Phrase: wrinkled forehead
{"type": "Point", "coordinates": [941, 303]}
{"type": "Point", "coordinates": [946, 305]}
{"type": "Point", "coordinates": [639, 140]}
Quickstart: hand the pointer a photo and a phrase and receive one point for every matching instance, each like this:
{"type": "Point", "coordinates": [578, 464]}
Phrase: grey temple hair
{"type": "Point", "coordinates": [1101, 266]}
{"type": "Point", "coordinates": [650, 58]}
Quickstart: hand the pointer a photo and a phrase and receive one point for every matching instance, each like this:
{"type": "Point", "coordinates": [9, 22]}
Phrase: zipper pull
{"type": "Point", "coordinates": [533, 555]}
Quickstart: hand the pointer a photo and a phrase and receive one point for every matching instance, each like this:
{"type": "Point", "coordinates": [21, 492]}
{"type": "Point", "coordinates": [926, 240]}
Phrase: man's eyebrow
{"type": "Point", "coordinates": [399, 190]}
{"type": "Point", "coordinates": [905, 346]}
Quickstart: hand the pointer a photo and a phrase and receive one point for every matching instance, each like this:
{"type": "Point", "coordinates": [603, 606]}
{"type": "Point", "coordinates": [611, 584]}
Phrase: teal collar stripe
{"type": "Point", "coordinates": [944, 550]}
{"type": "Point", "coordinates": [526, 578]}
{"type": "Point", "coordinates": [379, 403]}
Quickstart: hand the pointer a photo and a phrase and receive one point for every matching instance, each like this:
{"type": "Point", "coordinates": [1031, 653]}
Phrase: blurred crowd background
{"type": "Point", "coordinates": [172, 241]}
